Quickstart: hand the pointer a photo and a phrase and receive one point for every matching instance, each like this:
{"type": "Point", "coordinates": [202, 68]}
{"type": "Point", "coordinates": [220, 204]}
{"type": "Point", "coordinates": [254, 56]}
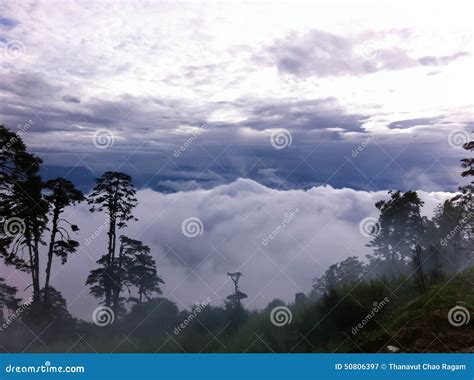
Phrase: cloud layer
{"type": "Point", "coordinates": [151, 73]}
{"type": "Point", "coordinates": [279, 240]}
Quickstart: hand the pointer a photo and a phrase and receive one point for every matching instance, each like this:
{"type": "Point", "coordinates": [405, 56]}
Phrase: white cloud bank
{"type": "Point", "coordinates": [320, 227]}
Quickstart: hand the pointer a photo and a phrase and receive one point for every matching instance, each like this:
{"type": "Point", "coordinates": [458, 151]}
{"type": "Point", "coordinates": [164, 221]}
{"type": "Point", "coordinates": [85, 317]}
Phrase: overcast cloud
{"type": "Point", "coordinates": [150, 73]}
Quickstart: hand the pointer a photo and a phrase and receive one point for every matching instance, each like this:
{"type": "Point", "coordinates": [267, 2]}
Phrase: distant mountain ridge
{"type": "Point", "coordinates": [84, 179]}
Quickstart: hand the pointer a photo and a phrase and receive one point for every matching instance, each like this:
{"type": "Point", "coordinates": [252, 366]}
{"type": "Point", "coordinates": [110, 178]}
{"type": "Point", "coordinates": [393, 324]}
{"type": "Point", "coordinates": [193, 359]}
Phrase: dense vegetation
{"type": "Point", "coordinates": [418, 269]}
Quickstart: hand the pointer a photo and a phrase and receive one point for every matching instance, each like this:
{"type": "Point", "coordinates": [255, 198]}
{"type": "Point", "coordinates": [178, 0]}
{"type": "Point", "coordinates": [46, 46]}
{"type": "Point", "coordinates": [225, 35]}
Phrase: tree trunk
{"type": "Point", "coordinates": [52, 241]}
{"type": "Point", "coordinates": [118, 281]}
{"type": "Point", "coordinates": [31, 241]}
{"type": "Point", "coordinates": [37, 286]}
{"type": "Point", "coordinates": [108, 284]}
{"type": "Point", "coordinates": [30, 252]}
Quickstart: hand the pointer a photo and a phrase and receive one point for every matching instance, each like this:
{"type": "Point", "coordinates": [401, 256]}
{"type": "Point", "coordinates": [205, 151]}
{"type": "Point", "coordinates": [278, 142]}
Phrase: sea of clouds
{"type": "Point", "coordinates": [279, 240]}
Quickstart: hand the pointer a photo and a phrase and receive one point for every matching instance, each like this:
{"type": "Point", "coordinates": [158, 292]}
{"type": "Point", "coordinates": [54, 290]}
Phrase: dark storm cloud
{"type": "Point", "coordinates": [28, 86]}
{"type": "Point", "coordinates": [323, 54]}
{"type": "Point", "coordinates": [148, 132]}
{"type": "Point", "coordinates": [71, 99]}
{"type": "Point", "coordinates": [30, 96]}
{"type": "Point", "coordinates": [443, 60]}
{"type": "Point", "coordinates": [7, 23]}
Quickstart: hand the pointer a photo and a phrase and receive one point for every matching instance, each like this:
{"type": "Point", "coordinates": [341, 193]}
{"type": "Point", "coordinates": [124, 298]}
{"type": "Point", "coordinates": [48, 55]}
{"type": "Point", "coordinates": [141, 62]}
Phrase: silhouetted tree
{"type": "Point", "coordinates": [400, 226]}
{"type": "Point", "coordinates": [238, 295]}
{"type": "Point", "coordinates": [7, 297]}
{"type": "Point", "coordinates": [142, 273]}
{"type": "Point", "coordinates": [346, 272]}
{"type": "Point", "coordinates": [61, 193]}
{"type": "Point", "coordinates": [150, 320]}
{"type": "Point", "coordinates": [467, 190]}
{"type": "Point", "coordinates": [15, 165]}
{"type": "Point", "coordinates": [114, 194]}
{"type": "Point", "coordinates": [418, 266]}
{"type": "Point", "coordinates": [18, 169]}
{"type": "Point", "coordinates": [276, 302]}
{"type": "Point", "coordinates": [100, 279]}
{"type": "Point", "coordinates": [445, 238]}
{"type": "Point", "coordinates": [52, 322]}
{"type": "Point", "coordinates": [465, 224]}
{"type": "Point", "coordinates": [468, 163]}
{"type": "Point", "coordinates": [32, 209]}
{"type": "Point", "coordinates": [134, 269]}
{"type": "Point", "coordinates": [234, 304]}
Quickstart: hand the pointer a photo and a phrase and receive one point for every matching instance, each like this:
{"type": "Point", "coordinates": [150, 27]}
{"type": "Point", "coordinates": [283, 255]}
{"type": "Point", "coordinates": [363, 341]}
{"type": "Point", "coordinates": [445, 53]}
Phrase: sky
{"type": "Point", "coordinates": [237, 114]}
{"type": "Point", "coordinates": [125, 84]}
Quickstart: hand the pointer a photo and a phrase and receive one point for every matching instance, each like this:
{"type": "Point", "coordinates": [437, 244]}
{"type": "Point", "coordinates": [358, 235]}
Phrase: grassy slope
{"type": "Point", "coordinates": [421, 324]}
